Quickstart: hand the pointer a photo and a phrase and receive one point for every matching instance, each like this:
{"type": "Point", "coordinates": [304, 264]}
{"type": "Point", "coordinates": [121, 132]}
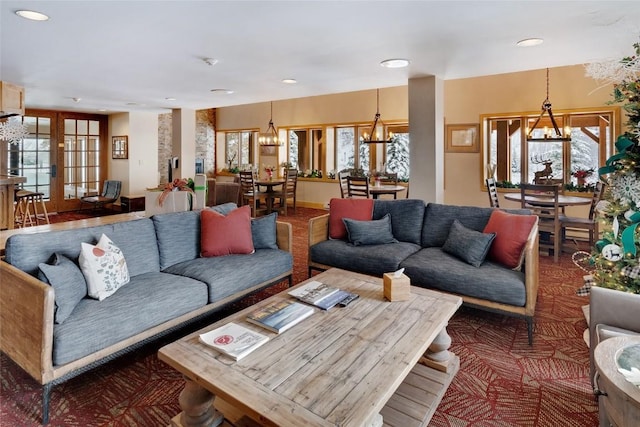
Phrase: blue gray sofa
{"type": "Point", "coordinates": [170, 286]}
{"type": "Point", "coordinates": [421, 231]}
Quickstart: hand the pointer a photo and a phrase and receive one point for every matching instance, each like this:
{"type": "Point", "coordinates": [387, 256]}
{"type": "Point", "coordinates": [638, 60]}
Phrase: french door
{"type": "Point", "coordinates": [63, 157]}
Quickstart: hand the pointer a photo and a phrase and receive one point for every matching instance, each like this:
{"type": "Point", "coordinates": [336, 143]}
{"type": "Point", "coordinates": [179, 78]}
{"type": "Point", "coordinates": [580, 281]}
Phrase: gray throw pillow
{"type": "Point", "coordinates": [224, 208]}
{"type": "Point", "coordinates": [263, 231]}
{"type": "Point", "coordinates": [469, 245]}
{"type": "Point", "coordinates": [374, 232]}
{"type": "Point", "coordinates": [68, 282]}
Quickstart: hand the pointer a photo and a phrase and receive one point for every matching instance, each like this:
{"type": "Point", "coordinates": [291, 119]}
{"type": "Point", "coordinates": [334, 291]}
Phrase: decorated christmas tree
{"type": "Point", "coordinates": [615, 260]}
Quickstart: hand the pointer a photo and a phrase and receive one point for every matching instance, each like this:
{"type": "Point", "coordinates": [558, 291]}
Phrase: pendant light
{"type": "Point", "coordinates": [372, 137]}
{"type": "Point", "coordinates": [549, 134]}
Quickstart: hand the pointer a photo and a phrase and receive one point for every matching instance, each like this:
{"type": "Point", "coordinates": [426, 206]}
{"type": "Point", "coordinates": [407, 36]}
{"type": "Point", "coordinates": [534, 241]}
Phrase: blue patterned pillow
{"type": "Point", "coordinates": [469, 245]}
{"type": "Point", "coordinates": [374, 232]}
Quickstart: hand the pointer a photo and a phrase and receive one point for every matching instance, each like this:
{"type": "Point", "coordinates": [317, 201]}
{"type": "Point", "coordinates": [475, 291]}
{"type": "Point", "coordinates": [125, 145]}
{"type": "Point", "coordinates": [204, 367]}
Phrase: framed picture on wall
{"type": "Point", "coordinates": [120, 147]}
{"type": "Point", "coordinates": [462, 138]}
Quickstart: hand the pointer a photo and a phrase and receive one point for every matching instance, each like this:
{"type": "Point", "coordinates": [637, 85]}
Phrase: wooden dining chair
{"type": "Point", "coordinates": [358, 186]}
{"type": "Point", "coordinates": [250, 194]}
{"type": "Point", "coordinates": [288, 191]}
{"type": "Point", "coordinates": [542, 200]}
{"type": "Point", "coordinates": [390, 178]}
{"type": "Point", "coordinates": [342, 180]}
{"type": "Point", "coordinates": [492, 189]}
{"type": "Point", "coordinates": [590, 223]}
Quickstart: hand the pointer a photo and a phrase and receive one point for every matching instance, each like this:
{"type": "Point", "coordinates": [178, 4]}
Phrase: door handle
{"type": "Point", "coordinates": [54, 169]}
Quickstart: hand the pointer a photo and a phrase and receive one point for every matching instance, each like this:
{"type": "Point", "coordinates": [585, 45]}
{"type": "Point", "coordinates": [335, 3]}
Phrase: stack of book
{"type": "Point", "coordinates": [280, 316]}
{"type": "Point", "coordinates": [321, 295]}
{"type": "Point", "coordinates": [234, 340]}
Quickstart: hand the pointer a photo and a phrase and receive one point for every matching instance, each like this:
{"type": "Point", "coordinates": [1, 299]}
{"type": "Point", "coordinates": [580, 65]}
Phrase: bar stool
{"type": "Point", "coordinates": [22, 214]}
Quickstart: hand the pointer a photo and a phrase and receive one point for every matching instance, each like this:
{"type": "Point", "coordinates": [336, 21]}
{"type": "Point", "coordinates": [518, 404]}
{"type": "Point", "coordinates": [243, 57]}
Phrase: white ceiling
{"type": "Point", "coordinates": [111, 53]}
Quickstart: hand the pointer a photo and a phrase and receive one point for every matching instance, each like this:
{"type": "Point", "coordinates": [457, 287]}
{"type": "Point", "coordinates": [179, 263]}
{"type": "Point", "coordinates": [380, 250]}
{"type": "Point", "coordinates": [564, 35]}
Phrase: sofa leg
{"type": "Point", "coordinates": [530, 329]}
{"type": "Point", "coordinates": [46, 394]}
{"type": "Point", "coordinates": [290, 280]}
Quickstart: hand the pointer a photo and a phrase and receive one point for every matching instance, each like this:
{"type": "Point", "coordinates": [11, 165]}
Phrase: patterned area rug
{"type": "Point", "coordinates": [502, 380]}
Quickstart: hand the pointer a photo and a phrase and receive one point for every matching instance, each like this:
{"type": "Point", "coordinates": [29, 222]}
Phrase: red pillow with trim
{"type": "Point", "coordinates": [358, 209]}
{"type": "Point", "coordinates": [512, 232]}
{"type": "Point", "coordinates": [225, 235]}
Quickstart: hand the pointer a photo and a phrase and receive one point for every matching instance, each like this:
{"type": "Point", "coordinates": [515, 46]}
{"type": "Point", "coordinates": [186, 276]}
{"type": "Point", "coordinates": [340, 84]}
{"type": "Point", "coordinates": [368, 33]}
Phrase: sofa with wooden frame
{"type": "Point", "coordinates": [171, 285]}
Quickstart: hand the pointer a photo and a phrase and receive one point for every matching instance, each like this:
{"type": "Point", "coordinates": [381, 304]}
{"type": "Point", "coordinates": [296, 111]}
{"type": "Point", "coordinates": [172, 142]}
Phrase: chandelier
{"type": "Point", "coordinates": [549, 134]}
{"type": "Point", "coordinates": [270, 137]}
{"type": "Point", "coordinates": [368, 138]}
{"type": "Point", "coordinates": [13, 130]}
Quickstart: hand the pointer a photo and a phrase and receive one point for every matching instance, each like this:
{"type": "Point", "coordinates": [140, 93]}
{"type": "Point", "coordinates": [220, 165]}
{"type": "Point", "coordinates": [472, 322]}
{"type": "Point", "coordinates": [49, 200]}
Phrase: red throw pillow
{"type": "Point", "coordinates": [225, 235]}
{"type": "Point", "coordinates": [358, 209]}
{"type": "Point", "coordinates": [512, 232]}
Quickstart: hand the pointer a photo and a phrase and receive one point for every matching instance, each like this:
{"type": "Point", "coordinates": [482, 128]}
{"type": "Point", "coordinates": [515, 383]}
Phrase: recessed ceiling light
{"type": "Point", "coordinates": [395, 63]}
{"type": "Point", "coordinates": [227, 91]}
{"type": "Point", "coordinates": [170, 99]}
{"type": "Point", "coordinates": [32, 15]}
{"type": "Point", "coordinates": [289, 81]}
{"type": "Point", "coordinates": [529, 42]}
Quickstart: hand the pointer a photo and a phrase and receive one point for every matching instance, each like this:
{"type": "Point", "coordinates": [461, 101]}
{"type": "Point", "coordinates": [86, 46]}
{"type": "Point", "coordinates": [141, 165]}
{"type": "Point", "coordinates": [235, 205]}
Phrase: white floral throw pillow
{"type": "Point", "coordinates": [103, 267]}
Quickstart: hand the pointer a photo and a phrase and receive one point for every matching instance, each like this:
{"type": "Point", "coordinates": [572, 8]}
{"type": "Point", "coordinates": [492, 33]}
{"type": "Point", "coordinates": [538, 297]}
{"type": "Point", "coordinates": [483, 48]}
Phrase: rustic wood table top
{"type": "Point", "coordinates": [337, 367]}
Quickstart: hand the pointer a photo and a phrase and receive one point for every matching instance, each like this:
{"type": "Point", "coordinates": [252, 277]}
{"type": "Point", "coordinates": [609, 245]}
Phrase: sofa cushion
{"type": "Point", "coordinates": [68, 284]}
{"type": "Point", "coordinates": [360, 209]}
{"type": "Point", "coordinates": [263, 231]}
{"type": "Point", "coordinates": [407, 216]}
{"type": "Point", "coordinates": [104, 268]}
{"type": "Point", "coordinates": [178, 236]}
{"type": "Point", "coordinates": [147, 301]}
{"type": "Point", "coordinates": [136, 239]}
{"type": "Point", "coordinates": [225, 276]}
{"type": "Point", "coordinates": [469, 245]}
{"type": "Point", "coordinates": [433, 268]}
{"type": "Point", "coordinates": [374, 232]}
{"type": "Point", "coordinates": [226, 235]}
{"type": "Point", "coordinates": [512, 232]}
{"type": "Point", "coordinates": [372, 259]}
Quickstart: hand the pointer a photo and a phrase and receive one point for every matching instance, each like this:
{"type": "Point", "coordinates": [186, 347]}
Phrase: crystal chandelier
{"type": "Point", "coordinates": [549, 134]}
{"type": "Point", "coordinates": [13, 130]}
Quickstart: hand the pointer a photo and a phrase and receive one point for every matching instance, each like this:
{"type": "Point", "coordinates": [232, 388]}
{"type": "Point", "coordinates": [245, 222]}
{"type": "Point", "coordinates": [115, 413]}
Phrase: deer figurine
{"type": "Point", "coordinates": [543, 176]}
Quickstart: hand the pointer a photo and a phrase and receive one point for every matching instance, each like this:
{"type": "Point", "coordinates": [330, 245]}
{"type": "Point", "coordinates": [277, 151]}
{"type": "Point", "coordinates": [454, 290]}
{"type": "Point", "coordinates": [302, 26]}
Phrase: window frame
{"type": "Point", "coordinates": [563, 116]}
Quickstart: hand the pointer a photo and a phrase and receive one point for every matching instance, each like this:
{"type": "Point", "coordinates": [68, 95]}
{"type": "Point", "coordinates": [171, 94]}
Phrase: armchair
{"type": "Point", "coordinates": [110, 193]}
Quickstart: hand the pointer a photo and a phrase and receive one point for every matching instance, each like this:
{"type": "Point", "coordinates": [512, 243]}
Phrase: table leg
{"type": "Point", "coordinates": [197, 407]}
{"type": "Point", "coordinates": [438, 355]}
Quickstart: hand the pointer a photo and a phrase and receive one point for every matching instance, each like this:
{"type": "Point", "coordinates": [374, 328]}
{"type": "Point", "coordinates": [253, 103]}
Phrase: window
{"type": "Point", "coordinates": [31, 158]}
{"type": "Point", "coordinates": [81, 158]}
{"type": "Point", "coordinates": [397, 154]}
{"type": "Point", "coordinates": [345, 148]}
{"type": "Point", "coordinates": [512, 159]}
{"type": "Point", "coordinates": [238, 149]}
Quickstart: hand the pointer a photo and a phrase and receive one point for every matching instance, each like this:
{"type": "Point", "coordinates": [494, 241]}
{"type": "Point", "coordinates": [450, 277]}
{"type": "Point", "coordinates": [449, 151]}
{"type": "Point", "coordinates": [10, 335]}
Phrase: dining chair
{"type": "Point", "coordinates": [492, 189]}
{"type": "Point", "coordinates": [288, 190]}
{"type": "Point", "coordinates": [390, 178]}
{"type": "Point", "coordinates": [342, 180]}
{"type": "Point", "coordinates": [589, 223]}
{"type": "Point", "coordinates": [358, 186]}
{"type": "Point", "coordinates": [542, 200]}
{"type": "Point", "coordinates": [250, 194]}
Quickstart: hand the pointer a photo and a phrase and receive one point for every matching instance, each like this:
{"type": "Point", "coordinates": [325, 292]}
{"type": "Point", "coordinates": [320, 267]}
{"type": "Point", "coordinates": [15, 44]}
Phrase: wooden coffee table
{"type": "Point", "coordinates": [347, 366]}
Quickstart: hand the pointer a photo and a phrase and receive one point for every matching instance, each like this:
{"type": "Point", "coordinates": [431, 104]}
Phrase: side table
{"type": "Point", "coordinates": [131, 203]}
{"type": "Point", "coordinates": [619, 399]}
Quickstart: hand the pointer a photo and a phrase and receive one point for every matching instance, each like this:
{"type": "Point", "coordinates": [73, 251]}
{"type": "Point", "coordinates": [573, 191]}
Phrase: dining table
{"type": "Point", "coordinates": [563, 200]}
{"type": "Point", "coordinates": [270, 190]}
{"type": "Point", "coordinates": [376, 190]}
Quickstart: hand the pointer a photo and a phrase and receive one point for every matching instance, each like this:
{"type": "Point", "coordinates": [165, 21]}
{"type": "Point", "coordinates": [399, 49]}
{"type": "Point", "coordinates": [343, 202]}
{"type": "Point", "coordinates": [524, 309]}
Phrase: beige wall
{"type": "Point", "coordinates": [140, 170]}
{"type": "Point", "coordinates": [464, 101]}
